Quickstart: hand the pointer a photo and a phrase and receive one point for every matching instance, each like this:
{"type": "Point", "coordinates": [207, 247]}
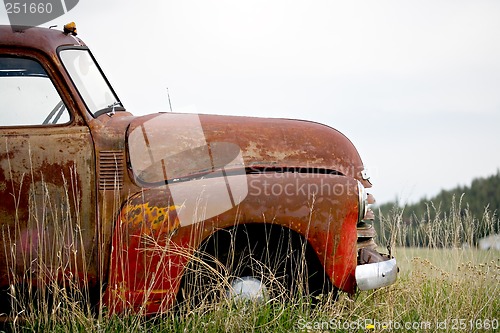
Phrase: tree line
{"type": "Point", "coordinates": [456, 217]}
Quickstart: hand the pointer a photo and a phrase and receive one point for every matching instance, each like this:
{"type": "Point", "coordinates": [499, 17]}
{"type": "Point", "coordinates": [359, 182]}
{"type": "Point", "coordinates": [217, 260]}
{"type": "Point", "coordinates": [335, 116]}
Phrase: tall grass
{"type": "Point", "coordinates": [447, 285]}
{"type": "Point", "coordinates": [46, 261]}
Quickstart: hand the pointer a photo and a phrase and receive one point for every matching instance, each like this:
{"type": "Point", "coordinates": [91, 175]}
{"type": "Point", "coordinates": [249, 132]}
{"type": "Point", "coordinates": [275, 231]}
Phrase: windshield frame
{"type": "Point", "coordinates": [117, 105]}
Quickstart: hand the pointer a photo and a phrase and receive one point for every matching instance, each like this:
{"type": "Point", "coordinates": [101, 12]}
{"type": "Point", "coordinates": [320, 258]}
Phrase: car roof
{"type": "Point", "coordinates": [44, 39]}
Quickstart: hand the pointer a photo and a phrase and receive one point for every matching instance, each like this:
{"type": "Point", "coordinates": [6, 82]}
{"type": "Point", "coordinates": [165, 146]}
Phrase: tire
{"type": "Point", "coordinates": [257, 262]}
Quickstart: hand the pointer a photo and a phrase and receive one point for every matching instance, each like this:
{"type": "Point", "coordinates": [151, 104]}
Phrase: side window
{"type": "Point", "coordinates": [27, 95]}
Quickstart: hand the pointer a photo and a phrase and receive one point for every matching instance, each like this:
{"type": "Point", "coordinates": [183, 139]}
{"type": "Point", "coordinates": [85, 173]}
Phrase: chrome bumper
{"type": "Point", "coordinates": [376, 275]}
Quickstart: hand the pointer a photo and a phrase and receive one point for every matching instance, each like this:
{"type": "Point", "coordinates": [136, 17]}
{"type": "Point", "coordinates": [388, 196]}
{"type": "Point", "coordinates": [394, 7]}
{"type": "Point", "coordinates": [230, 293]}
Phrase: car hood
{"type": "Point", "coordinates": [170, 146]}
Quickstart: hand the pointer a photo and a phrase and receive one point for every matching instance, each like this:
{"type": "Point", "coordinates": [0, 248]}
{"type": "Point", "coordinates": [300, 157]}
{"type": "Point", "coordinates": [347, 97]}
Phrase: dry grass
{"type": "Point", "coordinates": [444, 287]}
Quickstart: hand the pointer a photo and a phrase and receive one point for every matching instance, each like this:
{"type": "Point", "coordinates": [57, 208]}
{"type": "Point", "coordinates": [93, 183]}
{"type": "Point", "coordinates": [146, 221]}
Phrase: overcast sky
{"type": "Point", "coordinates": [414, 84]}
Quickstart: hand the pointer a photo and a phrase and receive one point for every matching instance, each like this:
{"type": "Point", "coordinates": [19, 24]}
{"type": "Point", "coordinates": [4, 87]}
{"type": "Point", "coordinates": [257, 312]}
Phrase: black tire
{"type": "Point", "coordinates": [276, 256]}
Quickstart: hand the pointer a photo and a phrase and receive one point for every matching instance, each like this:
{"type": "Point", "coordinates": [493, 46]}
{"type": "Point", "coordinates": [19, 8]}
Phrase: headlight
{"type": "Point", "coordinates": [362, 201]}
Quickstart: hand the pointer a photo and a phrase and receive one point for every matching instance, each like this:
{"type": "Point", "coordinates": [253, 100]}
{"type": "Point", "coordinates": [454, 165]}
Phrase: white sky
{"type": "Point", "coordinates": [414, 84]}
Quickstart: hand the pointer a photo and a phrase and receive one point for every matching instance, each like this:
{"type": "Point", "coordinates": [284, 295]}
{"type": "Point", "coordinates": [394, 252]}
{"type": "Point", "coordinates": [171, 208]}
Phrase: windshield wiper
{"type": "Point", "coordinates": [116, 106]}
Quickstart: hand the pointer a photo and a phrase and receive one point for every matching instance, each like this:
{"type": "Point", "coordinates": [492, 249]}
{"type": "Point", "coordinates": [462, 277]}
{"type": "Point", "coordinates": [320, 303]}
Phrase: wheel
{"type": "Point", "coordinates": [253, 262]}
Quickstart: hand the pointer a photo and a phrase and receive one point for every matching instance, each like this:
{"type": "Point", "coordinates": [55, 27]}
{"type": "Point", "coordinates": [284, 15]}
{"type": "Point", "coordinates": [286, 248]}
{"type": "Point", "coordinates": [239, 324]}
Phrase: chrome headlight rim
{"type": "Point", "coordinates": [362, 201]}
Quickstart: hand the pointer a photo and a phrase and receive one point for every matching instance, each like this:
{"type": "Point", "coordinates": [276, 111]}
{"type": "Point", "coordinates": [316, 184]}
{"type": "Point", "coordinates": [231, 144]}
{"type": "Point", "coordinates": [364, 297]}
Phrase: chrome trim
{"type": "Point", "coordinates": [370, 198]}
{"type": "Point", "coordinates": [362, 201]}
{"type": "Point", "coordinates": [248, 288]}
{"type": "Point", "coordinates": [376, 275]}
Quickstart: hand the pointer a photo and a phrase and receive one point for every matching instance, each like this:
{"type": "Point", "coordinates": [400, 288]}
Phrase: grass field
{"type": "Point", "coordinates": [438, 290]}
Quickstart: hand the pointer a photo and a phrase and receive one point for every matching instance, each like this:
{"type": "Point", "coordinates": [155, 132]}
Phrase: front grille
{"type": "Point", "coordinates": [365, 229]}
{"type": "Point", "coordinates": [366, 234]}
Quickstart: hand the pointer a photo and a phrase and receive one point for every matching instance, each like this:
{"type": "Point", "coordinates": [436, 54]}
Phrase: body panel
{"type": "Point", "coordinates": [151, 247]}
{"type": "Point", "coordinates": [264, 143]}
{"type": "Point", "coordinates": [47, 179]}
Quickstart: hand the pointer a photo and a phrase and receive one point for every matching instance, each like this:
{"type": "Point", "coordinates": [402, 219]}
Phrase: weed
{"type": "Point", "coordinates": [445, 286]}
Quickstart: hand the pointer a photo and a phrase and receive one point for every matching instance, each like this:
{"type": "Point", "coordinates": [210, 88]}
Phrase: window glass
{"type": "Point", "coordinates": [89, 81]}
{"type": "Point", "coordinates": [27, 95]}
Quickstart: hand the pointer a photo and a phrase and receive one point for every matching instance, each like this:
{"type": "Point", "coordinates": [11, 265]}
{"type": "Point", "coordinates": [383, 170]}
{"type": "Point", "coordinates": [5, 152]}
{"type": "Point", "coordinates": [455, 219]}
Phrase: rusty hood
{"type": "Point", "coordinates": [168, 146]}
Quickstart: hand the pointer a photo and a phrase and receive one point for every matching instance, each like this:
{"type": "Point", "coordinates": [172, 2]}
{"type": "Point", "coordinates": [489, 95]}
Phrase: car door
{"type": "Point", "coordinates": [47, 186]}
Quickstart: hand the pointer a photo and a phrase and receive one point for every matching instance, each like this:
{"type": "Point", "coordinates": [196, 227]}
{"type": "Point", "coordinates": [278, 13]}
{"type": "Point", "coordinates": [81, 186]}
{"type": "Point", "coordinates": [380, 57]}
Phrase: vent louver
{"type": "Point", "coordinates": [111, 170]}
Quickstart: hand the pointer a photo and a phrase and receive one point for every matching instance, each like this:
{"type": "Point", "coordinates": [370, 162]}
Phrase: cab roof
{"type": "Point", "coordinates": [44, 39]}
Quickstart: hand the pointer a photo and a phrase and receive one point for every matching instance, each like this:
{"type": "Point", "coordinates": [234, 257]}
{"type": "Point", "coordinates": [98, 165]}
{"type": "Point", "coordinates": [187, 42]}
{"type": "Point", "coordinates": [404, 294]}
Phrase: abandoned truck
{"type": "Point", "coordinates": [147, 211]}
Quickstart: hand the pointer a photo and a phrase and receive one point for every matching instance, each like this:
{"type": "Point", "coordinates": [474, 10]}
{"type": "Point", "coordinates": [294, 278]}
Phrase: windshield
{"type": "Point", "coordinates": [89, 80]}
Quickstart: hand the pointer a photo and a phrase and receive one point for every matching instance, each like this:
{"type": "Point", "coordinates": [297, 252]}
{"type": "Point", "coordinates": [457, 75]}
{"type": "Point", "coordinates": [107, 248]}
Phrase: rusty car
{"type": "Point", "coordinates": [132, 208]}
